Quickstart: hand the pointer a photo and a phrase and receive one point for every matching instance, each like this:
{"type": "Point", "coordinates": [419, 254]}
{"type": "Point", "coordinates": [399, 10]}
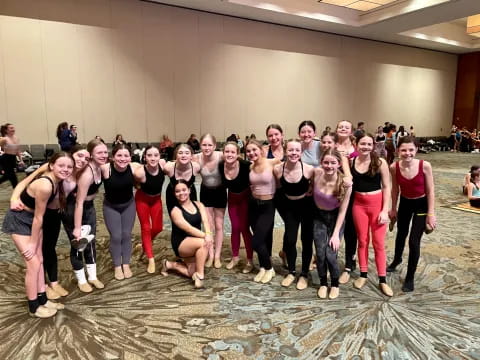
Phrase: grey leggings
{"type": "Point", "coordinates": [323, 225]}
{"type": "Point", "coordinates": [119, 219]}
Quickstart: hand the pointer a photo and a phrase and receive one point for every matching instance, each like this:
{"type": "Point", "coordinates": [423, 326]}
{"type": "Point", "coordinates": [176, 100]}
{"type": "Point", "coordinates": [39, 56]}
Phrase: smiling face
{"type": "Point", "coordinates": [294, 151]}
{"type": "Point", "coordinates": [230, 153]}
{"type": "Point", "coordinates": [62, 168]}
{"type": "Point", "coordinates": [407, 151]}
{"type": "Point", "coordinates": [152, 156]}
{"type": "Point", "coordinates": [207, 146]}
{"type": "Point", "coordinates": [275, 137]}
{"type": "Point", "coordinates": [182, 192]}
{"type": "Point", "coordinates": [344, 129]}
{"type": "Point", "coordinates": [330, 164]}
{"type": "Point", "coordinates": [122, 158]}
{"type": "Point", "coordinates": [365, 145]}
{"type": "Point", "coordinates": [253, 152]}
{"type": "Point", "coordinates": [328, 142]}
{"type": "Point", "coordinates": [81, 158]}
{"type": "Point", "coordinates": [184, 155]}
{"type": "Point", "coordinates": [99, 154]}
{"type": "Point", "coordinates": [306, 134]}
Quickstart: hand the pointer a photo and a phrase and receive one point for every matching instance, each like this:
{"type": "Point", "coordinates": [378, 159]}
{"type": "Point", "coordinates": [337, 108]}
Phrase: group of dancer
{"type": "Point", "coordinates": [333, 187]}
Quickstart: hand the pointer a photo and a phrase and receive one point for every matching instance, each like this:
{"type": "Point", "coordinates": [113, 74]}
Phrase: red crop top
{"type": "Point", "coordinates": [411, 188]}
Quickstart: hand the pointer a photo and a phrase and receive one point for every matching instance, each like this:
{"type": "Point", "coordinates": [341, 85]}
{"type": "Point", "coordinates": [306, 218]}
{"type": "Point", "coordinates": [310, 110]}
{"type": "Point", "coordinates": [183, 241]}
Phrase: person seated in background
{"type": "Point", "coordinates": [166, 148]}
{"type": "Point", "coordinates": [467, 178]}
{"type": "Point", "coordinates": [473, 189]}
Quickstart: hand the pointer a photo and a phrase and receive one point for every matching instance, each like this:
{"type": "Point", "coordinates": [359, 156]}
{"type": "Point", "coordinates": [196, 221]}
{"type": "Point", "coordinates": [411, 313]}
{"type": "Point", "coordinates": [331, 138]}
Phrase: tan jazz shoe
{"type": "Point", "coordinates": [234, 262]}
{"type": "Point", "coordinates": [387, 290]}
{"type": "Point", "coordinates": [43, 312]}
{"type": "Point", "coordinates": [344, 278]}
{"type": "Point", "coordinates": [97, 283]}
{"type": "Point", "coordinates": [334, 291]}
{"type": "Point", "coordinates": [119, 273]}
{"type": "Point", "coordinates": [85, 287]}
{"type": "Point", "coordinates": [248, 268]}
{"type": "Point", "coordinates": [322, 292]}
{"type": "Point", "coordinates": [51, 293]}
{"type": "Point", "coordinates": [198, 281]}
{"type": "Point", "coordinates": [259, 275]}
{"type": "Point", "coordinates": [269, 275]}
{"type": "Point", "coordinates": [217, 263]}
{"type": "Point", "coordinates": [126, 271]}
{"type": "Point", "coordinates": [151, 266]}
{"type": "Point", "coordinates": [360, 282]}
{"type": "Point", "coordinates": [288, 280]}
{"type": "Point", "coordinates": [209, 263]}
{"type": "Point", "coordinates": [302, 283]}
{"type": "Point", "coordinates": [54, 305]}
{"type": "Point", "coordinates": [59, 290]}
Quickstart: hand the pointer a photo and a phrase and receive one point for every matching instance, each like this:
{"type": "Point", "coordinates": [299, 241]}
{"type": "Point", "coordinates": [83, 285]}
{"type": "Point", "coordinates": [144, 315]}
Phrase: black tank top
{"type": "Point", "coordinates": [93, 188]}
{"type": "Point", "coordinates": [173, 179]}
{"type": "Point", "coordinates": [365, 182]}
{"type": "Point", "coordinates": [294, 189]}
{"type": "Point", "coordinates": [193, 219]}
{"type": "Point", "coordinates": [153, 183]}
{"type": "Point", "coordinates": [119, 186]}
{"type": "Point", "coordinates": [29, 201]}
{"type": "Point", "coordinates": [241, 182]}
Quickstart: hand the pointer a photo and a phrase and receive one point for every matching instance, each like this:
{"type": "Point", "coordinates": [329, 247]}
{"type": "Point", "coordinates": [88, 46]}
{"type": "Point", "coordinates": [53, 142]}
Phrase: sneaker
{"type": "Point", "coordinates": [51, 293]}
{"type": "Point", "coordinates": [198, 281]}
{"type": "Point", "coordinates": [248, 267]}
{"type": "Point", "coordinates": [85, 287]}
{"type": "Point", "coordinates": [344, 278]}
{"type": "Point", "coordinates": [260, 275]}
{"type": "Point", "coordinates": [334, 292]}
{"type": "Point", "coordinates": [269, 275]}
{"type": "Point", "coordinates": [386, 290]}
{"type": "Point", "coordinates": [234, 262]}
{"type": "Point", "coordinates": [360, 282]}
{"type": "Point", "coordinates": [97, 283]}
{"type": "Point", "coordinates": [54, 305]}
{"type": "Point", "coordinates": [322, 292]}
{"type": "Point", "coordinates": [43, 312]}
{"type": "Point", "coordinates": [288, 280]}
{"type": "Point", "coordinates": [302, 283]}
{"type": "Point", "coordinates": [59, 290]}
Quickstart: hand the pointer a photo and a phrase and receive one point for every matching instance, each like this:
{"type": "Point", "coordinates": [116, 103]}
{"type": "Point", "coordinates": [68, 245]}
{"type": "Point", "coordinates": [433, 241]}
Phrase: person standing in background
{"type": "Point", "coordinates": [64, 137]}
{"type": "Point", "coordinates": [73, 134]}
{"type": "Point", "coordinates": [11, 147]}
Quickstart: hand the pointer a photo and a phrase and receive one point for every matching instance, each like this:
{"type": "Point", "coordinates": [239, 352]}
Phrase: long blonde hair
{"type": "Point", "coordinates": [339, 190]}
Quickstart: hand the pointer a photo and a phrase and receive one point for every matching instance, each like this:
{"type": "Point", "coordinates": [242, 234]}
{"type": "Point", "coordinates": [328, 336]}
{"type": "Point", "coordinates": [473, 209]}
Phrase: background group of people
{"type": "Point", "coordinates": [464, 140]}
{"type": "Point", "coordinates": [333, 186]}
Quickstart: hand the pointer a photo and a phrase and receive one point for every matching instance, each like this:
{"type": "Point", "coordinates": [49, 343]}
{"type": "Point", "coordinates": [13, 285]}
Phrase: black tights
{"type": "Point", "coordinates": [8, 163]}
{"type": "Point", "coordinates": [298, 212]}
{"type": "Point", "coordinates": [51, 230]}
{"type": "Point", "coordinates": [261, 216]}
{"type": "Point", "coordinates": [350, 236]}
{"type": "Point", "coordinates": [408, 210]}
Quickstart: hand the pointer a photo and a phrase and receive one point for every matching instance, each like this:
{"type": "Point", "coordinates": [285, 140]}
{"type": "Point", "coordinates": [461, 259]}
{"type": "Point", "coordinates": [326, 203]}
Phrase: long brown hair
{"type": "Point", "coordinates": [339, 190]}
{"type": "Point", "coordinates": [62, 199]}
{"type": "Point", "coordinates": [375, 161]}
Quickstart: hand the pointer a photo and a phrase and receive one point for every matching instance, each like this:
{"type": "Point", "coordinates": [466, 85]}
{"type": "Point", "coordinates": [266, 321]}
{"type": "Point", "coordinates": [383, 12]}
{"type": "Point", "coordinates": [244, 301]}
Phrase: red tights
{"type": "Point", "coordinates": [150, 214]}
{"type": "Point", "coordinates": [238, 212]}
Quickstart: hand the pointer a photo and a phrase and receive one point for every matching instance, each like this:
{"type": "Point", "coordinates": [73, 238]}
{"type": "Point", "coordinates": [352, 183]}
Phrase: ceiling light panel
{"type": "Point", "coordinates": [361, 5]}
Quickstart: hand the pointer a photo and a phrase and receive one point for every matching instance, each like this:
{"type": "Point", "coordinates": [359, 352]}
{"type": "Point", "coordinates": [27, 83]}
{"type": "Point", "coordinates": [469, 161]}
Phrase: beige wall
{"type": "Point", "coordinates": [142, 69]}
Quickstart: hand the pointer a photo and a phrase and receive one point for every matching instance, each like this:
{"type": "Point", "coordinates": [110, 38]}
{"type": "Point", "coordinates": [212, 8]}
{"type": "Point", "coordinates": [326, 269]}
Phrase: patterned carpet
{"type": "Point", "coordinates": [153, 317]}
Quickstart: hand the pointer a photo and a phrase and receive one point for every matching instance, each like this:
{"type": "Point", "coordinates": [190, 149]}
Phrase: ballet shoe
{"type": "Point", "coordinates": [54, 305]}
{"type": "Point", "coordinates": [283, 257]}
{"type": "Point", "coordinates": [151, 266]}
{"type": "Point", "coordinates": [209, 263]}
{"type": "Point", "coordinates": [217, 263]}
{"type": "Point", "coordinates": [126, 271]}
{"type": "Point", "coordinates": [198, 281]}
{"type": "Point", "coordinates": [344, 278]}
{"type": "Point", "coordinates": [248, 268]}
{"type": "Point", "coordinates": [334, 292]}
{"type": "Point", "coordinates": [360, 282]}
{"type": "Point", "coordinates": [288, 280]}
{"type": "Point", "coordinates": [322, 292]}
{"type": "Point", "coordinates": [259, 275]}
{"type": "Point", "coordinates": [269, 275]}
{"type": "Point", "coordinates": [302, 283]}
{"type": "Point", "coordinates": [97, 283]}
{"type": "Point", "coordinates": [386, 290]}
{"type": "Point", "coordinates": [51, 293]}
{"type": "Point", "coordinates": [234, 262]}
{"type": "Point", "coordinates": [164, 269]}
{"type": "Point", "coordinates": [119, 273]}
{"type": "Point", "coordinates": [43, 312]}
{"type": "Point", "coordinates": [85, 287]}
{"type": "Point", "coordinates": [59, 290]}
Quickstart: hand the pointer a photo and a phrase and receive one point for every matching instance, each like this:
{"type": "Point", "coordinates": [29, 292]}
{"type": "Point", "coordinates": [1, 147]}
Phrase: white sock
{"type": "Point", "coordinates": [80, 275]}
{"type": "Point", "coordinates": [92, 271]}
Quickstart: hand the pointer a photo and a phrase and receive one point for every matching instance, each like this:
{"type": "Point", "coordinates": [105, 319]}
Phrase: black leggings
{"type": "Point", "coordinates": [261, 217]}
{"type": "Point", "coordinates": [89, 217]}
{"type": "Point", "coordinates": [408, 211]}
{"type": "Point", "coordinates": [324, 222]}
{"type": "Point", "coordinates": [298, 212]}
{"type": "Point", "coordinates": [51, 230]}
{"type": "Point", "coordinates": [8, 163]}
{"type": "Point", "coordinates": [350, 236]}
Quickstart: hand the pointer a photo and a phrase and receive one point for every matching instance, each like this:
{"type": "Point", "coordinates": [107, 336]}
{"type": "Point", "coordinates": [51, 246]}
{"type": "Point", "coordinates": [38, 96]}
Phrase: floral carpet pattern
{"type": "Point", "coordinates": [156, 317]}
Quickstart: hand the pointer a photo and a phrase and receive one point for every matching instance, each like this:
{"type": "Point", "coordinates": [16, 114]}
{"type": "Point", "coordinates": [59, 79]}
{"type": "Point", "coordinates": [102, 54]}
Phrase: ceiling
{"type": "Point", "coordinates": [431, 24]}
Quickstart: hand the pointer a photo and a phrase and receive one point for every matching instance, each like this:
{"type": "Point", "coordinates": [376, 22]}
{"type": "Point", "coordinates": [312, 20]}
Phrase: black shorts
{"type": "Point", "coordinates": [18, 222]}
{"type": "Point", "coordinates": [216, 197]}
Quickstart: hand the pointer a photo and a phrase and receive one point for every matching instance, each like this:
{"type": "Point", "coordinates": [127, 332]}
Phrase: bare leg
{"type": "Point", "coordinates": [211, 251]}
{"type": "Point", "coordinates": [33, 267]}
{"type": "Point", "coordinates": [194, 247]}
{"type": "Point", "coordinates": [219, 215]}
